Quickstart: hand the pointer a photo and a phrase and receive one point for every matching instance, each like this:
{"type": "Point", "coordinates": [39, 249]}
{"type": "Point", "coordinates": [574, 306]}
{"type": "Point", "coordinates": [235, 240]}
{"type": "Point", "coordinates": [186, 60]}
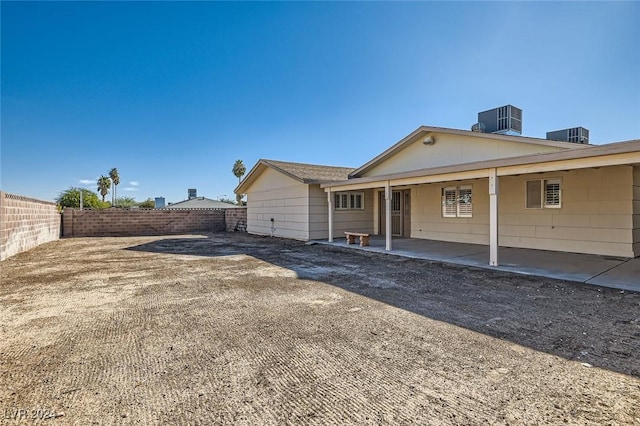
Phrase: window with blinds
{"type": "Point", "coordinates": [457, 201]}
{"type": "Point", "coordinates": [544, 193]}
{"type": "Point", "coordinates": [465, 206]}
{"type": "Point", "coordinates": [449, 205]}
{"type": "Point", "coordinates": [552, 193]}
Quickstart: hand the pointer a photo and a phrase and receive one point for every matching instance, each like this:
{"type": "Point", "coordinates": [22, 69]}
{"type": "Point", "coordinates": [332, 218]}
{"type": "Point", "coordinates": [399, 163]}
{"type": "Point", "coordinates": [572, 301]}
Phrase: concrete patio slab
{"type": "Point", "coordinates": [625, 276]}
{"type": "Point", "coordinates": [564, 266]}
{"type": "Point", "coordinates": [606, 271]}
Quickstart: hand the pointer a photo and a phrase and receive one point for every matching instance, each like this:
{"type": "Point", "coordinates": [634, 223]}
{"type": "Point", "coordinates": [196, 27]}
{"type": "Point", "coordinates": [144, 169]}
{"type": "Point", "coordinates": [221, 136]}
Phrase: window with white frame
{"type": "Point", "coordinates": [355, 201]}
{"type": "Point", "coordinates": [341, 201]}
{"type": "Point", "coordinates": [348, 201]}
{"type": "Point", "coordinates": [457, 201]}
{"type": "Point", "coordinates": [544, 193]}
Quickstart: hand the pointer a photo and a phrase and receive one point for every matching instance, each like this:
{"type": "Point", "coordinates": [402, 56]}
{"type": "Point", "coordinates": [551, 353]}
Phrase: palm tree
{"type": "Point", "coordinates": [239, 169]}
{"type": "Point", "coordinates": [104, 183]}
{"type": "Point", "coordinates": [115, 178]}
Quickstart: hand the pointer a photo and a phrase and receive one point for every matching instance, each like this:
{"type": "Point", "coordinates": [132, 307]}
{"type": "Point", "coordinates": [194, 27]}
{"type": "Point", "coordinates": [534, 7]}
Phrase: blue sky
{"type": "Point", "coordinates": [173, 93]}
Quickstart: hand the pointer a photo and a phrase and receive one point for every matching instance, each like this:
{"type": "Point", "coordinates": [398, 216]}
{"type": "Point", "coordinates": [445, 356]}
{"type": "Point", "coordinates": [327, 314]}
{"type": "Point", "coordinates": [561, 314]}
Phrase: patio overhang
{"type": "Point", "coordinates": [622, 153]}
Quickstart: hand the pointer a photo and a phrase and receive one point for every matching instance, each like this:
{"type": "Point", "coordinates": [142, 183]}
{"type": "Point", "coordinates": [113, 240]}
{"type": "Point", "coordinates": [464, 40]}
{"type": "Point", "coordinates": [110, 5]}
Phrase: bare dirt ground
{"type": "Point", "coordinates": [231, 328]}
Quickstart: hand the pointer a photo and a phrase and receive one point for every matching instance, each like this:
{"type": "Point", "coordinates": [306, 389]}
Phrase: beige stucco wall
{"type": "Point", "coordinates": [453, 149]}
{"type": "Point", "coordinates": [318, 213]}
{"type": "Point", "coordinates": [343, 220]}
{"type": "Point", "coordinates": [597, 213]}
{"type": "Point", "coordinates": [355, 220]}
{"type": "Point", "coordinates": [636, 211]}
{"type": "Point", "coordinates": [427, 221]}
{"type": "Point", "coordinates": [274, 195]}
{"type": "Point", "coordinates": [300, 211]}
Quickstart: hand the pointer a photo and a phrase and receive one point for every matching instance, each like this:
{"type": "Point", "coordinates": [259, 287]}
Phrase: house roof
{"type": "Point", "coordinates": [201, 203]}
{"type": "Point", "coordinates": [627, 152]}
{"type": "Point", "coordinates": [302, 172]}
{"type": "Point", "coordinates": [424, 130]}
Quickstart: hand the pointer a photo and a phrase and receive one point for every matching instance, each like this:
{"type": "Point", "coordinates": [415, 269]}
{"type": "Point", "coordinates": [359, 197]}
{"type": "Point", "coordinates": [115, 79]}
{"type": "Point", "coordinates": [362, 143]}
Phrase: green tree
{"type": "Point", "coordinates": [115, 178]}
{"type": "Point", "coordinates": [126, 202]}
{"type": "Point", "coordinates": [71, 198]}
{"type": "Point", "coordinates": [239, 169]}
{"type": "Point", "coordinates": [147, 204]}
{"type": "Point", "coordinates": [104, 183]}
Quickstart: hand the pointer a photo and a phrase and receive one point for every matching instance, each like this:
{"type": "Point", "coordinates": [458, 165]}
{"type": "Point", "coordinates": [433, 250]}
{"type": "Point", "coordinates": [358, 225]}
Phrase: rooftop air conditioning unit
{"type": "Point", "coordinates": [574, 134]}
{"type": "Point", "coordinates": [504, 120]}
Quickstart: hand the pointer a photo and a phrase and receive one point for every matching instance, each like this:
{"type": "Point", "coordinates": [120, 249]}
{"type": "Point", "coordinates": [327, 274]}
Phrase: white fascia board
{"type": "Point", "coordinates": [577, 163]}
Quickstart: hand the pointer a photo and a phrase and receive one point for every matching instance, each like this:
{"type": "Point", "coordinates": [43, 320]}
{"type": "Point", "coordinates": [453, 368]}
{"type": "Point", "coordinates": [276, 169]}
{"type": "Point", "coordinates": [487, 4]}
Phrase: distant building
{"type": "Point", "coordinates": [202, 203]}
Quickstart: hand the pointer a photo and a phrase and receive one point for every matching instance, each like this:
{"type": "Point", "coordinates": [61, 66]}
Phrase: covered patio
{"type": "Point", "coordinates": [607, 271]}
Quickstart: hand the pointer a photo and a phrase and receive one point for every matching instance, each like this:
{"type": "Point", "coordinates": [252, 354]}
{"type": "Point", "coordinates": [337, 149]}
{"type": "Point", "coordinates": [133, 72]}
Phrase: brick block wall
{"type": "Point", "coordinates": [236, 220]}
{"type": "Point", "coordinates": [120, 223]}
{"type": "Point", "coordinates": [26, 223]}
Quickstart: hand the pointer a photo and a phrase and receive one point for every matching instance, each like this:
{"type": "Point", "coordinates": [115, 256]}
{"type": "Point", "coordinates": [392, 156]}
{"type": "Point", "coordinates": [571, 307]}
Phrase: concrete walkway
{"type": "Point", "coordinates": [606, 271]}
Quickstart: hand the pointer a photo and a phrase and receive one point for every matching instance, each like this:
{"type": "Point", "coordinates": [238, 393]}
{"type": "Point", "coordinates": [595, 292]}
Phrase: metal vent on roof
{"type": "Point", "coordinates": [478, 128]}
{"type": "Point", "coordinates": [574, 134]}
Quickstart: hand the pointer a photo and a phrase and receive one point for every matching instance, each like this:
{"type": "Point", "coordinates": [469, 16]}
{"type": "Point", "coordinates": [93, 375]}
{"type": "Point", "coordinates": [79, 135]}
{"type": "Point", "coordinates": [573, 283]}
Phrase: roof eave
{"type": "Point", "coordinates": [247, 178]}
{"type": "Point", "coordinates": [254, 173]}
{"type": "Point", "coordinates": [319, 181]}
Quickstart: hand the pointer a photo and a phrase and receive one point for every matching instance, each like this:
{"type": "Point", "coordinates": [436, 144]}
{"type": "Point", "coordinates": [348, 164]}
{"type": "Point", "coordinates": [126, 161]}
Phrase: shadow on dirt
{"type": "Point", "coordinates": [589, 324]}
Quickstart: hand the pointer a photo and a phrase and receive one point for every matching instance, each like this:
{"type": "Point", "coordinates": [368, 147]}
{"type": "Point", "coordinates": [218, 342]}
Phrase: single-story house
{"type": "Point", "coordinates": [472, 187]}
{"type": "Point", "coordinates": [285, 199]}
{"type": "Point", "coordinates": [202, 203]}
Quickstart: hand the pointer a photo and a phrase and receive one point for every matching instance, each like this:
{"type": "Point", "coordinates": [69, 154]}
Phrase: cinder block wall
{"type": "Point", "coordinates": [26, 223]}
{"type": "Point", "coordinates": [236, 220]}
{"type": "Point", "coordinates": [121, 223]}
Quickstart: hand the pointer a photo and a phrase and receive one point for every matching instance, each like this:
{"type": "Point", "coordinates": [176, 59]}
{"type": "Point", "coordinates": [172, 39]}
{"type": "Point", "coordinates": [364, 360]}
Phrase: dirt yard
{"type": "Point", "coordinates": [230, 328]}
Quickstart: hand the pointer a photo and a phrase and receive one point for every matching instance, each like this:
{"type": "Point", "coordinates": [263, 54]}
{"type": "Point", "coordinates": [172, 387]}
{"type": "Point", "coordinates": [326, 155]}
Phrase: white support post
{"type": "Point", "coordinates": [494, 190]}
{"type": "Point", "coordinates": [387, 217]}
{"type": "Point", "coordinates": [330, 203]}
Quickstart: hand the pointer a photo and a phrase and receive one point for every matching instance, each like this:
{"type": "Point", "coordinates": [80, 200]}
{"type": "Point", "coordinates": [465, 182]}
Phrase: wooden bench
{"type": "Point", "coordinates": [351, 238]}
